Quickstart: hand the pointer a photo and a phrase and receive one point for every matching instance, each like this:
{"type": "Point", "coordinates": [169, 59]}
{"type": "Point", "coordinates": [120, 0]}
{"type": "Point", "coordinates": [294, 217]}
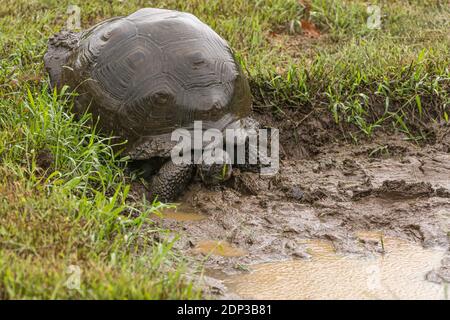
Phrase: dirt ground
{"type": "Point", "coordinates": [325, 189]}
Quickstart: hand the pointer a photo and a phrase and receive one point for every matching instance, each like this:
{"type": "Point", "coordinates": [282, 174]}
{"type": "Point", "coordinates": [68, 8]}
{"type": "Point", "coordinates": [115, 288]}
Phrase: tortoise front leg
{"type": "Point", "coordinates": [170, 181]}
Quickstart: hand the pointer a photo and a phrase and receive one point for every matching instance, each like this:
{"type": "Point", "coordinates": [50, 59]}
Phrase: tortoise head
{"type": "Point", "coordinates": [60, 46]}
{"type": "Point", "coordinates": [215, 169]}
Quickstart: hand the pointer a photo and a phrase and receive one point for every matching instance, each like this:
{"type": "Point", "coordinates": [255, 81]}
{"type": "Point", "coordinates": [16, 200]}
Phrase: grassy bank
{"type": "Point", "coordinates": [63, 207]}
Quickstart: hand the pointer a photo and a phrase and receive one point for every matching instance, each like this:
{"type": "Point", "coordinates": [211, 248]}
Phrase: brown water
{"type": "Point", "coordinates": [182, 214]}
{"type": "Point", "coordinates": [397, 274]}
{"type": "Point", "coordinates": [218, 248]}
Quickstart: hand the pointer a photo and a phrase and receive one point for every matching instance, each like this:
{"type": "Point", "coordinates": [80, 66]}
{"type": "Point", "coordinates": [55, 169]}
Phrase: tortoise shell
{"type": "Point", "coordinates": [149, 73]}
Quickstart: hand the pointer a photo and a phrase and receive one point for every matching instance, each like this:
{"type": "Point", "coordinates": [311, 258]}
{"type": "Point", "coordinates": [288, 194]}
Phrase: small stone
{"type": "Point", "coordinates": [432, 276]}
{"type": "Point", "coordinates": [214, 286]}
{"type": "Point", "coordinates": [301, 254]}
{"type": "Point", "coordinates": [297, 193]}
{"type": "Point", "coordinates": [290, 244]}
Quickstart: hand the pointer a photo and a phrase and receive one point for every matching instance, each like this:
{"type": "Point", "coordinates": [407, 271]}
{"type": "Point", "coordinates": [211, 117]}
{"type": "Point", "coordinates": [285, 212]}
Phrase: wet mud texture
{"type": "Point", "coordinates": [328, 191]}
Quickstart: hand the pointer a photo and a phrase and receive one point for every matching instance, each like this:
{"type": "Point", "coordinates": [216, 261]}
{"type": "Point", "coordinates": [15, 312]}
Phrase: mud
{"type": "Point", "coordinates": [327, 191]}
{"type": "Point", "coordinates": [218, 248]}
{"type": "Point", "coordinates": [44, 159]}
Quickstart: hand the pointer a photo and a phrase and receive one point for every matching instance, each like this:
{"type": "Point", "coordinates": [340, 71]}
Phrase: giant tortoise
{"type": "Point", "coordinates": [145, 75]}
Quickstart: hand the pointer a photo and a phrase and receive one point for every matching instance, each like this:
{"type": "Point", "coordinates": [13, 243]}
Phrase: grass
{"type": "Point", "coordinates": [64, 198]}
{"type": "Point", "coordinates": [63, 203]}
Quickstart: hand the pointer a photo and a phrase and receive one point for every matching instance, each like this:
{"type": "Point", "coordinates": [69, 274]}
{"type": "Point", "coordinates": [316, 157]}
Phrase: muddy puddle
{"type": "Point", "coordinates": [398, 273]}
{"type": "Point", "coordinates": [218, 248]}
{"type": "Point", "coordinates": [181, 213]}
{"type": "Point", "coordinates": [388, 185]}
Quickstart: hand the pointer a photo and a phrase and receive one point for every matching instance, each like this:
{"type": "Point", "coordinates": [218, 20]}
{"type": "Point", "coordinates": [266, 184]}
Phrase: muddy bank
{"type": "Point", "coordinates": [328, 191]}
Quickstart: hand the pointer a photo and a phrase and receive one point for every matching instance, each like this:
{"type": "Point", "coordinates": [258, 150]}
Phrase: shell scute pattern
{"type": "Point", "coordinates": [159, 105]}
{"type": "Point", "coordinates": [168, 70]}
{"type": "Point", "coordinates": [136, 60]}
{"type": "Point", "coordinates": [153, 71]}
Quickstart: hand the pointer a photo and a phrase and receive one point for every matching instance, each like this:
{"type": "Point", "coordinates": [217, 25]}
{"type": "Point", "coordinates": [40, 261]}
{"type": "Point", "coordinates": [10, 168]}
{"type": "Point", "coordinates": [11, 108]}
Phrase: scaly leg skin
{"type": "Point", "coordinates": [170, 181]}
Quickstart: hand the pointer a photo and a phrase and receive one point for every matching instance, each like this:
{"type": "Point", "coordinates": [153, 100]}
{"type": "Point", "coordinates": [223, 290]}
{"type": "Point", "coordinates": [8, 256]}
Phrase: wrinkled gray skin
{"type": "Point", "coordinates": [147, 74]}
